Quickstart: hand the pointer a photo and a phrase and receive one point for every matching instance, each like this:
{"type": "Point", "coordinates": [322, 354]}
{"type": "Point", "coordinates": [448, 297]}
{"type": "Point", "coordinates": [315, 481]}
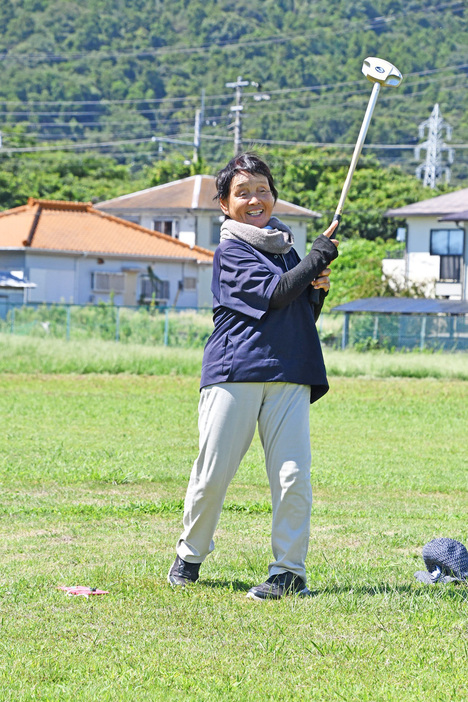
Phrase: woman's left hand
{"type": "Point", "coordinates": [322, 281]}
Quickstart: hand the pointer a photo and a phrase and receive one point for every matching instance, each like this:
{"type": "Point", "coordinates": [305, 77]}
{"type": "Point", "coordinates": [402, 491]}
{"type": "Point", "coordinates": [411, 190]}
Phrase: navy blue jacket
{"type": "Point", "coordinates": [250, 342]}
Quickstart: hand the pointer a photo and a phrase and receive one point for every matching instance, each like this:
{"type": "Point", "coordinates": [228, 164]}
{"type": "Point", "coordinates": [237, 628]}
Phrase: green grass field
{"type": "Point", "coordinates": [93, 470]}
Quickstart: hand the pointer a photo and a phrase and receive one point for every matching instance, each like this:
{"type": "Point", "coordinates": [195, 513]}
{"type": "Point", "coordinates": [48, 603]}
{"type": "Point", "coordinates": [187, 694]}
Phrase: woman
{"type": "Point", "coordinates": [262, 365]}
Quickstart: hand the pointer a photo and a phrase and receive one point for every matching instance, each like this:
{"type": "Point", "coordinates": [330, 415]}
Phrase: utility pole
{"type": "Point", "coordinates": [199, 116]}
{"type": "Point", "coordinates": [237, 109]}
{"type": "Point", "coordinates": [433, 167]}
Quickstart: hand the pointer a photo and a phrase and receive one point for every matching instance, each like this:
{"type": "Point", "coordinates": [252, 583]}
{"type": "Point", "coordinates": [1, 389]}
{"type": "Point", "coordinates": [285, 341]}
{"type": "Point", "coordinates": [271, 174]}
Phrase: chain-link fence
{"type": "Point", "coordinates": [443, 332]}
{"type": "Point", "coordinates": [139, 325]}
{"type": "Point", "coordinates": [190, 328]}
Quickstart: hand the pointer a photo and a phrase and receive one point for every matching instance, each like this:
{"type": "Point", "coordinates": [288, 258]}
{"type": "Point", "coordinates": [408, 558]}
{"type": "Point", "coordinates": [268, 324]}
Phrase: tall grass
{"type": "Point", "coordinates": [397, 364]}
{"type": "Point", "coordinates": [25, 354]}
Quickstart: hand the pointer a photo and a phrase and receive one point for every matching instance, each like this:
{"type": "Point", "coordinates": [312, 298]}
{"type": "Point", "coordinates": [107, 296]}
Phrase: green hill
{"type": "Point", "coordinates": [100, 98]}
{"type": "Point", "coordinates": [131, 74]}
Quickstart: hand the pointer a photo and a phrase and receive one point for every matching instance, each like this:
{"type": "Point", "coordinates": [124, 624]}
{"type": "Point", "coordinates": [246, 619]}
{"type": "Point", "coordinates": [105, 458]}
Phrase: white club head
{"type": "Point", "coordinates": [379, 71]}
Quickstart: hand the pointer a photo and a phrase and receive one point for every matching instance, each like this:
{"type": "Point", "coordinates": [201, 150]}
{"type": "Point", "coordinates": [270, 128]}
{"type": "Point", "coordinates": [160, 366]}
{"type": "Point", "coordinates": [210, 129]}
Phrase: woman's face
{"type": "Point", "coordinates": [250, 199]}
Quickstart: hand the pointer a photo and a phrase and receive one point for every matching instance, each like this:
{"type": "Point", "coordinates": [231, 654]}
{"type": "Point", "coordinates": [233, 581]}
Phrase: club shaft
{"type": "Point", "coordinates": [357, 149]}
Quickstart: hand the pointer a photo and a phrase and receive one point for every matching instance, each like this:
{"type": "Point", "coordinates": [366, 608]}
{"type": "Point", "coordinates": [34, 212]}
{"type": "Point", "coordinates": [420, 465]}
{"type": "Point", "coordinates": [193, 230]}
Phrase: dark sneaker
{"type": "Point", "coordinates": [278, 585]}
{"type": "Point", "coordinates": [183, 573]}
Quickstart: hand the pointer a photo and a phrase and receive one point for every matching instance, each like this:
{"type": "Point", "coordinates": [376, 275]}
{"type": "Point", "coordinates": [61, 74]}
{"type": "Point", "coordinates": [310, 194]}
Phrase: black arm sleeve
{"type": "Point", "coordinates": [294, 282]}
{"type": "Point", "coordinates": [317, 306]}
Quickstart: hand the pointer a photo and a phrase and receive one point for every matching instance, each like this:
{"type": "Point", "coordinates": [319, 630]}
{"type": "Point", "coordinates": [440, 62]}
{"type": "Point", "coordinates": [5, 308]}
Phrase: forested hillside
{"type": "Point", "coordinates": [125, 78]}
{"type": "Point", "coordinates": [118, 70]}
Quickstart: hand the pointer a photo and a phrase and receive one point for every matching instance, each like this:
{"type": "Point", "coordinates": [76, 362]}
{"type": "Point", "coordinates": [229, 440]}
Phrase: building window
{"type": "Point", "coordinates": [190, 283]}
{"type": "Point", "coordinates": [166, 226]}
{"type": "Point", "coordinates": [108, 282]}
{"type": "Point", "coordinates": [216, 229]}
{"type": "Point", "coordinates": [447, 242]}
{"type": "Point", "coordinates": [154, 288]}
{"type": "Point", "coordinates": [449, 245]}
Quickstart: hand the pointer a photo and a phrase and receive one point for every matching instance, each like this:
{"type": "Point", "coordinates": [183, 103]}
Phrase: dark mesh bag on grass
{"type": "Point", "coordinates": [446, 561]}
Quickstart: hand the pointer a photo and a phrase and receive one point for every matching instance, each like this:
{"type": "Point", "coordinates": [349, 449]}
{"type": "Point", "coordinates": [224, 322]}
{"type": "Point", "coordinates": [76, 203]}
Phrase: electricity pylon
{"type": "Point", "coordinates": [433, 167]}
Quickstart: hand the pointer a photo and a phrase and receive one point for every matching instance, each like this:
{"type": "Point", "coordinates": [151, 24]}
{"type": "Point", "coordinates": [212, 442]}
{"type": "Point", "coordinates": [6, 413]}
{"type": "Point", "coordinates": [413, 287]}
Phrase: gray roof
{"type": "Point", "coordinates": [404, 305]}
{"type": "Point", "coordinates": [9, 280]}
{"type": "Point", "coordinates": [193, 193]}
{"type": "Point", "coordinates": [456, 217]}
{"type": "Point", "coordinates": [448, 204]}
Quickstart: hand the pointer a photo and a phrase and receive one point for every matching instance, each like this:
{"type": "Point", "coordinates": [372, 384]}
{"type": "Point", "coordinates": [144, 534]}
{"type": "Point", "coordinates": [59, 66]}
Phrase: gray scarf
{"type": "Point", "coordinates": [277, 239]}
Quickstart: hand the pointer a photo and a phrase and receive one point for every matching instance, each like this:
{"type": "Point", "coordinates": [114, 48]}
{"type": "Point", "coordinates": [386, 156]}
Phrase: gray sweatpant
{"type": "Point", "coordinates": [228, 415]}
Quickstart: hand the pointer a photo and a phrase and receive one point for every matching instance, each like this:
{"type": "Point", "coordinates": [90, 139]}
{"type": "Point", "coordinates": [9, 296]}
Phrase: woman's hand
{"type": "Point", "coordinates": [322, 281]}
{"type": "Point", "coordinates": [329, 232]}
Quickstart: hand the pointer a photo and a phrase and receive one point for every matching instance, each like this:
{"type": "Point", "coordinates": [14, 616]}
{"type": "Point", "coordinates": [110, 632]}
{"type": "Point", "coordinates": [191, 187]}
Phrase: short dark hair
{"type": "Point", "coordinates": [248, 162]}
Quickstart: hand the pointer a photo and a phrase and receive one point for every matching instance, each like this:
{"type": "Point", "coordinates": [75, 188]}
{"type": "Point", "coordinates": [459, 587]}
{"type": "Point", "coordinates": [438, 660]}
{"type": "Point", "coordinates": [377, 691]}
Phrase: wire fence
{"type": "Point", "coordinates": [439, 332]}
{"type": "Point", "coordinates": [190, 328]}
{"type": "Point", "coordinates": [138, 325]}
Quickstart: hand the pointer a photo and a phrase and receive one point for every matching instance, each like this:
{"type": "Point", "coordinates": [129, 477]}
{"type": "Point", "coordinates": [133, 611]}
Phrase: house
{"type": "Point", "coordinates": [74, 253]}
{"type": "Point", "coordinates": [186, 209]}
{"type": "Point", "coordinates": [14, 289]}
{"type": "Point", "coordinates": [436, 253]}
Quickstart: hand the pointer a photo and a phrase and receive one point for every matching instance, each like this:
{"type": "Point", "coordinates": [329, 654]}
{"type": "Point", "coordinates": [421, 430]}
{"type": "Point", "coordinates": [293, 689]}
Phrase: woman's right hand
{"type": "Point", "coordinates": [329, 232]}
{"type": "Point", "coordinates": [322, 281]}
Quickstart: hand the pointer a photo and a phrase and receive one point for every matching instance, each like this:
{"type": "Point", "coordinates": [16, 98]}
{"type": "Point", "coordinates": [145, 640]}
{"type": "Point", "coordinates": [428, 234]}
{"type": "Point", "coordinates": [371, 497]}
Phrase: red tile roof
{"type": "Point", "coordinates": [194, 193]}
{"type": "Point", "coordinates": [77, 227]}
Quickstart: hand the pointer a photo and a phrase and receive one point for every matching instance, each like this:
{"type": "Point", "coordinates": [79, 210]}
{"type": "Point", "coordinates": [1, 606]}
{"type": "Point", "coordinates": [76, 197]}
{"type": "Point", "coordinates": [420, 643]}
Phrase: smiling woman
{"type": "Point", "coordinates": [262, 365]}
{"type": "Point", "coordinates": [250, 199]}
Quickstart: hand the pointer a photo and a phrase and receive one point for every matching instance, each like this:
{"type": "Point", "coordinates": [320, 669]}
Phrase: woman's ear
{"type": "Point", "coordinates": [224, 207]}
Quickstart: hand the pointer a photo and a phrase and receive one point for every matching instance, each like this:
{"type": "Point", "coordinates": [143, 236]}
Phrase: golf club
{"type": "Point", "coordinates": [379, 72]}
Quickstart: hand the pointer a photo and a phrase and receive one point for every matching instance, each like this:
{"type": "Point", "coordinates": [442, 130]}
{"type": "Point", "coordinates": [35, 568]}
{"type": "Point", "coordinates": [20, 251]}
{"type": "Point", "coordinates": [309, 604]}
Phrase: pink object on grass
{"type": "Point", "coordinates": [82, 590]}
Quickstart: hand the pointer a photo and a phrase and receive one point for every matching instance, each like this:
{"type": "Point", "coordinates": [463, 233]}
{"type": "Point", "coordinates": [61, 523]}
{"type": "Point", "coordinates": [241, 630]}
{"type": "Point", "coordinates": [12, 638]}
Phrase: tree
{"type": "Point", "coordinates": [170, 169]}
{"type": "Point", "coordinates": [138, 67]}
{"type": "Point", "coordinates": [314, 178]}
{"type": "Point", "coordinates": [357, 272]}
{"type": "Point", "coordinates": [64, 176]}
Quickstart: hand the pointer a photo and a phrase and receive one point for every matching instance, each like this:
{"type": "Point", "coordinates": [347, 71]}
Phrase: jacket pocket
{"type": "Point", "coordinates": [228, 356]}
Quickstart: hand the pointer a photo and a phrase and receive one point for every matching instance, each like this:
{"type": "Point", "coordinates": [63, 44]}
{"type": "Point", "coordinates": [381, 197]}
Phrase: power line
{"type": "Point", "coordinates": [101, 101]}
{"type": "Point", "coordinates": [104, 102]}
{"type": "Point", "coordinates": [67, 147]}
{"type": "Point", "coordinates": [320, 103]}
{"type": "Point", "coordinates": [104, 124]}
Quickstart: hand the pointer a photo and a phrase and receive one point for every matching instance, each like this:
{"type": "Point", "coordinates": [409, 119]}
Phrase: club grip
{"type": "Point", "coordinates": [314, 295]}
{"type": "Point", "coordinates": [336, 218]}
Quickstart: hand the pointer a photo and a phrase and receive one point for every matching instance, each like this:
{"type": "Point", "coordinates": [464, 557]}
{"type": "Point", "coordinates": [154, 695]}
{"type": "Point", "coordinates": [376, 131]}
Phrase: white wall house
{"type": "Point", "coordinates": [436, 252]}
{"type": "Point", "coordinates": [186, 210]}
{"type": "Point", "coordinates": [73, 253]}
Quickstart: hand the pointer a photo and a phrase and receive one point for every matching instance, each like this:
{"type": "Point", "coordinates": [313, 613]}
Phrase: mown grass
{"type": "Point", "coordinates": [93, 470]}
